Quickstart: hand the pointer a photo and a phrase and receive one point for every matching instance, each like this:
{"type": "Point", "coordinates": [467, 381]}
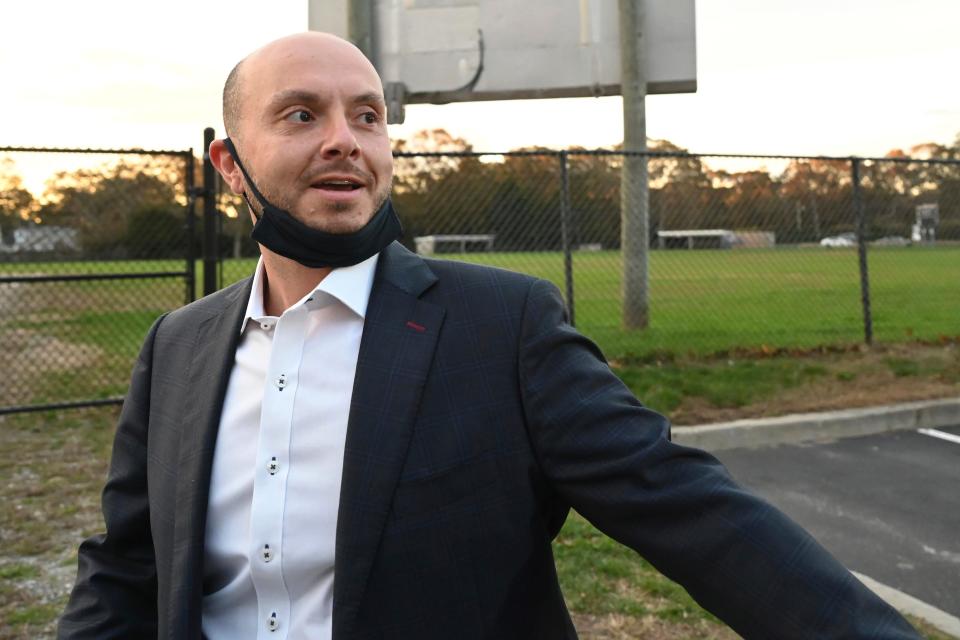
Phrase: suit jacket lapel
{"type": "Point", "coordinates": [209, 372]}
{"type": "Point", "coordinates": [399, 335]}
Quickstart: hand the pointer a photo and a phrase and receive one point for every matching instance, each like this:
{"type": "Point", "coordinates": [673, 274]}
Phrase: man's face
{"type": "Point", "coordinates": [313, 132]}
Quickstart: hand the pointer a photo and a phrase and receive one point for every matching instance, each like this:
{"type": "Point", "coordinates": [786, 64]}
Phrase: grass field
{"type": "Point", "coordinates": [53, 467]}
{"type": "Point", "coordinates": [78, 340]}
{"type": "Point", "coordinates": [703, 302]}
{"type": "Point", "coordinates": [83, 336]}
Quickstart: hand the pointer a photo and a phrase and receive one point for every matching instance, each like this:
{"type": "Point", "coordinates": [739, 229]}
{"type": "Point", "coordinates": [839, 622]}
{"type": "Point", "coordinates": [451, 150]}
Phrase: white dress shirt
{"type": "Point", "coordinates": [275, 485]}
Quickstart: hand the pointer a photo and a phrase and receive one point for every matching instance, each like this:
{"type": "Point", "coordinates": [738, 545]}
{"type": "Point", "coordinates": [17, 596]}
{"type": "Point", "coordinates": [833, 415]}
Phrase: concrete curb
{"type": "Point", "coordinates": [905, 603]}
{"type": "Point", "coordinates": [827, 425]}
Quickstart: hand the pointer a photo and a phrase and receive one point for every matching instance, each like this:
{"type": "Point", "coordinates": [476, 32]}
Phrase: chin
{"type": "Point", "coordinates": [342, 220]}
{"type": "Point", "coordinates": [341, 227]}
{"type": "Point", "coordinates": [336, 217]}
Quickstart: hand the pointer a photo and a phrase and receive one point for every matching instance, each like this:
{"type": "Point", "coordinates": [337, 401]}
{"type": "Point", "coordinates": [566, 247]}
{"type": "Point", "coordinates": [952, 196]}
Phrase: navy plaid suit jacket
{"type": "Point", "coordinates": [479, 417]}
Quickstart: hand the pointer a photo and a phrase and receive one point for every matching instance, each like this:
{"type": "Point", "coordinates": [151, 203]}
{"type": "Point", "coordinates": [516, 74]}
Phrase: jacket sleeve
{"type": "Point", "coordinates": [611, 459]}
{"type": "Point", "coordinates": [115, 595]}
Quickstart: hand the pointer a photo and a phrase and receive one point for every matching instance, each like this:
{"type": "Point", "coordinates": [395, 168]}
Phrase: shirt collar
{"type": "Point", "coordinates": [349, 285]}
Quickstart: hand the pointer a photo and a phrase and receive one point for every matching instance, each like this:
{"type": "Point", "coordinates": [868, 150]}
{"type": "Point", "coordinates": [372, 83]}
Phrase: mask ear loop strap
{"type": "Point", "coordinates": [256, 192]}
{"type": "Point", "coordinates": [253, 209]}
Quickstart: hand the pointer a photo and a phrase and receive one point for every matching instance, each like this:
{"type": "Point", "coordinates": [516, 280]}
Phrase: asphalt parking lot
{"type": "Point", "coordinates": [886, 505]}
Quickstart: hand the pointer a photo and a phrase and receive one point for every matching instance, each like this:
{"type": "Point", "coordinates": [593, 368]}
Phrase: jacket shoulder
{"type": "Point", "coordinates": [469, 275]}
{"type": "Point", "coordinates": [209, 306]}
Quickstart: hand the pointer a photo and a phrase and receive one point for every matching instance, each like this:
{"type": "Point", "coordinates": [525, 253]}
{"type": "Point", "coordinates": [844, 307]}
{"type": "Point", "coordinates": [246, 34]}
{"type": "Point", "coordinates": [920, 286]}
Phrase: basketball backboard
{"type": "Point", "coordinates": [464, 50]}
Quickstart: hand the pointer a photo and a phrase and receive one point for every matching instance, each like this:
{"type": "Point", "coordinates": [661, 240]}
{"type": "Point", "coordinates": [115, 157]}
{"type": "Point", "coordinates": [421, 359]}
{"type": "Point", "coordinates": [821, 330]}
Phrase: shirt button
{"type": "Point", "coordinates": [266, 326]}
{"type": "Point", "coordinates": [273, 466]}
{"type": "Point", "coordinates": [272, 622]}
{"type": "Point", "coordinates": [282, 381]}
{"type": "Point", "coordinates": [267, 553]}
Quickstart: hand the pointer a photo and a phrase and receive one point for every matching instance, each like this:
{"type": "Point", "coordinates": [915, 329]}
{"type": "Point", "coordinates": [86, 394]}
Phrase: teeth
{"type": "Point", "coordinates": [339, 182]}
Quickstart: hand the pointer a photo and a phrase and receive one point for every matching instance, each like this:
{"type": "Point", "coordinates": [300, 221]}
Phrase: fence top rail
{"type": "Point", "coordinates": [522, 153]}
{"type": "Point", "coordinates": [141, 152]}
{"type": "Point", "coordinates": [664, 154]}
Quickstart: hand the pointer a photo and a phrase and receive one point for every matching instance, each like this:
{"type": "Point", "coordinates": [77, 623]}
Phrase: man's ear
{"type": "Point", "coordinates": [226, 166]}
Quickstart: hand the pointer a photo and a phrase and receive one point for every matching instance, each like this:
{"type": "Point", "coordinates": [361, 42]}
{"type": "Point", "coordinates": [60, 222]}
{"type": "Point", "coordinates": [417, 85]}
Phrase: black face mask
{"type": "Point", "coordinates": [283, 234]}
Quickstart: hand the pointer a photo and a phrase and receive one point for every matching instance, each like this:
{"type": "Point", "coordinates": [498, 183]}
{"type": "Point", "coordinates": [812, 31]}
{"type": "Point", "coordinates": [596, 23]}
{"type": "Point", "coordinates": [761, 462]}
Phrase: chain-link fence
{"type": "Point", "coordinates": [744, 253]}
{"type": "Point", "coordinates": [800, 253]}
{"type": "Point", "coordinates": [94, 245]}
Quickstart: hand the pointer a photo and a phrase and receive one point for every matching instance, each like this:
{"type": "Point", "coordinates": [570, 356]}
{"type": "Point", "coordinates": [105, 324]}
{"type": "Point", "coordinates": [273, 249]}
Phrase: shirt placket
{"type": "Point", "coordinates": [270, 477]}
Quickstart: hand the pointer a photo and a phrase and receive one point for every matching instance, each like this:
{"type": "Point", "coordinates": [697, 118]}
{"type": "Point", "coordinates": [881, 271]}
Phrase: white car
{"type": "Point", "coordinates": [842, 240]}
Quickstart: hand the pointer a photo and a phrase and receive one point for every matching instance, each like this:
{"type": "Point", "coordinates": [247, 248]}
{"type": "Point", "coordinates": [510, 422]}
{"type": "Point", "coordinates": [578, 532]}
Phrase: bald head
{"type": "Point", "coordinates": [231, 100]}
{"type": "Point", "coordinates": [270, 60]}
{"type": "Point", "coordinates": [306, 113]}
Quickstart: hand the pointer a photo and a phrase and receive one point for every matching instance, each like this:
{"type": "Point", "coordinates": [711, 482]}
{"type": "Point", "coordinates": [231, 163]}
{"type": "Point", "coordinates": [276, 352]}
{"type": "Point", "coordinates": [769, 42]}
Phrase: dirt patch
{"type": "Point", "coordinates": [26, 356]}
{"type": "Point", "coordinates": [45, 301]}
{"type": "Point", "coordinates": [52, 467]}
{"type": "Point", "coordinates": [23, 349]}
{"type": "Point", "coordinates": [620, 627]}
{"type": "Point", "coordinates": [861, 378]}
{"type": "Point", "coordinates": [11, 298]}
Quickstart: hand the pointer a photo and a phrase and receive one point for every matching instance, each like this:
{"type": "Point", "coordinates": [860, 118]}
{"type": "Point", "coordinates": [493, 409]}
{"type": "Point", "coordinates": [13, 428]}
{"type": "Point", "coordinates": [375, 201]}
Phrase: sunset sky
{"type": "Point", "coordinates": [834, 77]}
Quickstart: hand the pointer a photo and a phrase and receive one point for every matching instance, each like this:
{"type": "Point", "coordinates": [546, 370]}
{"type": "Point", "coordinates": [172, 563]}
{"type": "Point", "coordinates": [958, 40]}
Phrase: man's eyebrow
{"type": "Point", "coordinates": [371, 98]}
{"type": "Point", "coordinates": [288, 96]}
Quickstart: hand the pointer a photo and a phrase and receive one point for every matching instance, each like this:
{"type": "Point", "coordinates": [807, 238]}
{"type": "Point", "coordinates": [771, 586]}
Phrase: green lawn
{"type": "Point", "coordinates": [54, 465]}
{"type": "Point", "coordinates": [701, 303]}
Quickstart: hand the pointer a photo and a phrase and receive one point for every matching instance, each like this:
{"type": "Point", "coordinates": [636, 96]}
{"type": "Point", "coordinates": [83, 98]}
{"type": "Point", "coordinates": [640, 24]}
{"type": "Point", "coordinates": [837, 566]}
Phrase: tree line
{"type": "Point", "coordinates": [134, 206]}
{"type": "Point", "coordinates": [518, 197]}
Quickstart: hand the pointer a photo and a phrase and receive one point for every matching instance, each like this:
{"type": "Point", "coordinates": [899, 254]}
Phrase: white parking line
{"type": "Point", "coordinates": [943, 435]}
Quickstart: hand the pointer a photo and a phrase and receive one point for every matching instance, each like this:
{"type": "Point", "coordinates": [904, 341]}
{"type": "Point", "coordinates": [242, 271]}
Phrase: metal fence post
{"type": "Point", "coordinates": [218, 250]}
{"type": "Point", "coordinates": [190, 228]}
{"type": "Point", "coordinates": [861, 215]}
{"type": "Point", "coordinates": [209, 218]}
{"type": "Point", "coordinates": [565, 234]}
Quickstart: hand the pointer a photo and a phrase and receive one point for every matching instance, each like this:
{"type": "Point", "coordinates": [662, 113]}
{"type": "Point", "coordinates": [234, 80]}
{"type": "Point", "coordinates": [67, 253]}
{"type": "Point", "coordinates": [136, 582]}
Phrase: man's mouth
{"type": "Point", "coordinates": [338, 185]}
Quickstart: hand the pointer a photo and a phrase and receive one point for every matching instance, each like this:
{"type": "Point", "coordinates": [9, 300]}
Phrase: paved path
{"type": "Point", "coordinates": [886, 505]}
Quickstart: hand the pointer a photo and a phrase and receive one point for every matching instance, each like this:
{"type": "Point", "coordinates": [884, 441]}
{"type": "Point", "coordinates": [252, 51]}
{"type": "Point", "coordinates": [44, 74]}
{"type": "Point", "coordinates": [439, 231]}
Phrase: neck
{"type": "Point", "coordinates": [287, 281]}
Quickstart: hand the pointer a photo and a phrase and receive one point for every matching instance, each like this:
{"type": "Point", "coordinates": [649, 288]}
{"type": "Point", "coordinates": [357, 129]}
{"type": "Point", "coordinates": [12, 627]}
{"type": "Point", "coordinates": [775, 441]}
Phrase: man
{"type": "Point", "coordinates": [360, 443]}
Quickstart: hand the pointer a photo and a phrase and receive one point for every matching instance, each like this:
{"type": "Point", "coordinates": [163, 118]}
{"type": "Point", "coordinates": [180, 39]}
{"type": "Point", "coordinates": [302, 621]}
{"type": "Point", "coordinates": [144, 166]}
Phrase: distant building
{"type": "Point", "coordinates": [755, 239]}
{"type": "Point", "coordinates": [696, 239]}
{"type": "Point", "coordinates": [429, 245]}
{"type": "Point", "coordinates": [715, 239]}
{"type": "Point", "coordinates": [40, 238]}
{"type": "Point", "coordinates": [925, 229]}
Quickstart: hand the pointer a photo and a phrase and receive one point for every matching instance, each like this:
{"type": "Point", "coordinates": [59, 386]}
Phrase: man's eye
{"type": "Point", "coordinates": [370, 117]}
{"type": "Point", "coordinates": [300, 115]}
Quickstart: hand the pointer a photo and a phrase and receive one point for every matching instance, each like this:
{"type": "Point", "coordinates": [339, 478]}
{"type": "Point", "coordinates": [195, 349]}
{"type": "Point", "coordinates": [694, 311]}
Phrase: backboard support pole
{"type": "Point", "coordinates": [363, 34]}
{"type": "Point", "coordinates": [634, 190]}
{"type": "Point", "coordinates": [395, 94]}
{"type": "Point", "coordinates": [360, 26]}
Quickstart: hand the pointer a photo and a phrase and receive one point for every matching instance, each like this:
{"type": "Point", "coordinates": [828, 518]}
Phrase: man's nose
{"type": "Point", "coordinates": [339, 139]}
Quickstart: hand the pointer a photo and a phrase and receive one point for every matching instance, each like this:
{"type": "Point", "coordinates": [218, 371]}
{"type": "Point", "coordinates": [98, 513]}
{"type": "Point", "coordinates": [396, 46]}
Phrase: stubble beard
{"type": "Point", "coordinates": [332, 219]}
{"type": "Point", "coordinates": [340, 224]}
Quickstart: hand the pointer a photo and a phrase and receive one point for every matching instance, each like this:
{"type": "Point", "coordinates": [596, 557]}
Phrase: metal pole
{"type": "Point", "coordinates": [634, 195]}
{"type": "Point", "coordinates": [190, 230]}
{"type": "Point", "coordinates": [209, 218]}
{"type": "Point", "coordinates": [861, 215]}
{"type": "Point", "coordinates": [360, 25]}
{"type": "Point", "coordinates": [215, 196]}
{"type": "Point", "coordinates": [565, 234]}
